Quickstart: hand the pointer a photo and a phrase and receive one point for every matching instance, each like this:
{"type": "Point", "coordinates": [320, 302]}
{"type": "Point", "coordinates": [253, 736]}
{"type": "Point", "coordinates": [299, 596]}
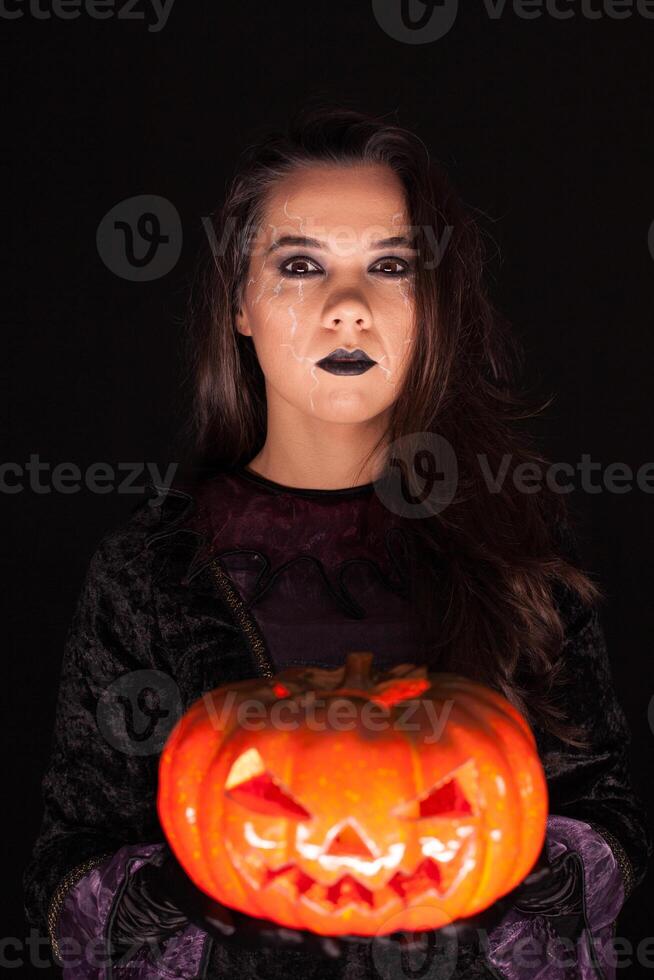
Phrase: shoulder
{"type": "Point", "coordinates": [147, 539]}
{"type": "Point", "coordinates": [168, 532]}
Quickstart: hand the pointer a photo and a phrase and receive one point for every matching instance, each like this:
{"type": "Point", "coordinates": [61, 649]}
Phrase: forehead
{"type": "Point", "coordinates": [321, 200]}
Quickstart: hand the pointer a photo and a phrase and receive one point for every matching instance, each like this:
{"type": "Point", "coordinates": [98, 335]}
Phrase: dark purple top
{"type": "Point", "coordinates": [322, 572]}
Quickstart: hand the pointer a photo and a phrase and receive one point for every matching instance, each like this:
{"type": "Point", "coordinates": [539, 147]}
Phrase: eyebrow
{"type": "Point", "coordinates": [397, 241]}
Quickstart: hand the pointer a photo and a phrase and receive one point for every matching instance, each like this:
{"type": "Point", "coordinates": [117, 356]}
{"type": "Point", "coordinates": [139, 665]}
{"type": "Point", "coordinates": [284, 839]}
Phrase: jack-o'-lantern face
{"type": "Point", "coordinates": [360, 838]}
{"type": "Point", "coordinates": [414, 813]}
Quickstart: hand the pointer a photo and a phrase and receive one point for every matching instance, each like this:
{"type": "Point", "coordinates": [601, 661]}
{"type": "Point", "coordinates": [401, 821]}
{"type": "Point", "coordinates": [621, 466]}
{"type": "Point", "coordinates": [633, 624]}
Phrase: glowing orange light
{"type": "Point", "coordinates": [365, 829]}
{"type": "Point", "coordinates": [401, 691]}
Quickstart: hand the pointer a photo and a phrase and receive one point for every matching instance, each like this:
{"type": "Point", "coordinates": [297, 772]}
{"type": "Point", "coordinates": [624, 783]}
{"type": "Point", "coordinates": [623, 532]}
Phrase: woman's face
{"type": "Point", "coordinates": [332, 268]}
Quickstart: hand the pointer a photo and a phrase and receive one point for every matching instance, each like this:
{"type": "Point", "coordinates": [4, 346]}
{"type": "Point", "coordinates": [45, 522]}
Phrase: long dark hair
{"type": "Point", "coordinates": [498, 614]}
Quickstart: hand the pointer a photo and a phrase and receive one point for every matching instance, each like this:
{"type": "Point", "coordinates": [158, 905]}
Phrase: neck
{"type": "Point", "coordinates": [301, 451]}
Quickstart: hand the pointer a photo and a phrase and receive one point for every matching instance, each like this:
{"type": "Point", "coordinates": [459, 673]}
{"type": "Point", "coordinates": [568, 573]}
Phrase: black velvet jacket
{"type": "Point", "coordinates": [139, 608]}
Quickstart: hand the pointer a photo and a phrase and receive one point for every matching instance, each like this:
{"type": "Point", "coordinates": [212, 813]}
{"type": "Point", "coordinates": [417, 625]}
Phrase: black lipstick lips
{"type": "Point", "coordinates": [341, 361]}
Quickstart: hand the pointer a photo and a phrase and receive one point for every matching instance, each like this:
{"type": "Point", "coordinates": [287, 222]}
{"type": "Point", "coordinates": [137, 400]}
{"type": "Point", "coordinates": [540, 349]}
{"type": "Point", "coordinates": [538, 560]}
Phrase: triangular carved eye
{"type": "Point", "coordinates": [250, 784]}
{"type": "Point", "coordinates": [451, 798]}
{"type": "Point", "coordinates": [448, 798]}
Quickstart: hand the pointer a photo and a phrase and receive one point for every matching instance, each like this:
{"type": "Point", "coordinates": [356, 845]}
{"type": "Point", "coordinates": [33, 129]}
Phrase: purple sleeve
{"type": "Point", "coordinates": [526, 947]}
{"type": "Point", "coordinates": [84, 925]}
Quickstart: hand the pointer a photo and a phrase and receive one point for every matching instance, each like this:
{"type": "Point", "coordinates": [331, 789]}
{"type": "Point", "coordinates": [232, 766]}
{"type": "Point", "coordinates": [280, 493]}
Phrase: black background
{"type": "Point", "coordinates": [545, 126]}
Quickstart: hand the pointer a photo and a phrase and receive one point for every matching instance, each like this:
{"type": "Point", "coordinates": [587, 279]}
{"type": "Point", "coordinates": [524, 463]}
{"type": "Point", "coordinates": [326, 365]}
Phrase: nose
{"type": "Point", "coordinates": [348, 311]}
{"type": "Point", "coordinates": [348, 842]}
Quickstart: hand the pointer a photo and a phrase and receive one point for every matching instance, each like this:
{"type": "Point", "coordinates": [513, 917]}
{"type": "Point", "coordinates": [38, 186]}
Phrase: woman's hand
{"type": "Point", "coordinates": [555, 889]}
{"type": "Point", "coordinates": [552, 887]}
{"type": "Point", "coordinates": [146, 911]}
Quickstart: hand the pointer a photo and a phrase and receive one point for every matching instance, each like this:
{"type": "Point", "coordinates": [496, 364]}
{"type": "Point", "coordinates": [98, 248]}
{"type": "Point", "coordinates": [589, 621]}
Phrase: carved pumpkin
{"type": "Point", "coordinates": [422, 808]}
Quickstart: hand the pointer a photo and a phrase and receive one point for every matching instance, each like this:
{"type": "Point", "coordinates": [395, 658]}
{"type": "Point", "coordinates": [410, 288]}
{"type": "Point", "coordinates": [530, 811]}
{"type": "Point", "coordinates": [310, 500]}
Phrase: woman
{"type": "Point", "coordinates": [344, 353]}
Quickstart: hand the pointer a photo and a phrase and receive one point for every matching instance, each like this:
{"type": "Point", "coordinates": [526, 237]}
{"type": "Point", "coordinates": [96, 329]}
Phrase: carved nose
{"type": "Point", "coordinates": [349, 841]}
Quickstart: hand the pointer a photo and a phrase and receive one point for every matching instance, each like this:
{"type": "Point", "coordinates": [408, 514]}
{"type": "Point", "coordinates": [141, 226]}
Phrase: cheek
{"type": "Point", "coordinates": [393, 309]}
{"type": "Point", "coordinates": [281, 315]}
{"type": "Point", "coordinates": [275, 298]}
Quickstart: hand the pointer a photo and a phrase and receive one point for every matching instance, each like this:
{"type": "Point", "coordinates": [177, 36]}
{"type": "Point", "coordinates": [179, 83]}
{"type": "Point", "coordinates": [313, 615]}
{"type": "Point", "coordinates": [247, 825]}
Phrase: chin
{"type": "Point", "coordinates": [347, 416]}
{"type": "Point", "coordinates": [347, 407]}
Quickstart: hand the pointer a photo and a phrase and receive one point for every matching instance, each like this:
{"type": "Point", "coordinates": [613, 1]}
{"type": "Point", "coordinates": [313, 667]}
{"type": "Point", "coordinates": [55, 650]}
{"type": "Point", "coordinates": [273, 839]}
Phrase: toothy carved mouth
{"type": "Point", "coordinates": [347, 890]}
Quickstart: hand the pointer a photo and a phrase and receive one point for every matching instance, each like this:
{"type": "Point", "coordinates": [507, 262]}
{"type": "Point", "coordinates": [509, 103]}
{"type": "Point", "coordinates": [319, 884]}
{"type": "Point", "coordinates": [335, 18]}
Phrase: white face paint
{"type": "Point", "coordinates": [341, 289]}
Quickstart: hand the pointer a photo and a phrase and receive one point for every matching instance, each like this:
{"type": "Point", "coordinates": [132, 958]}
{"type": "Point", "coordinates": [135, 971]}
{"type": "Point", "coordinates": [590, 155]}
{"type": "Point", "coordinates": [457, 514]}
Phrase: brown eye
{"type": "Point", "coordinates": [393, 268]}
{"type": "Point", "coordinates": [297, 267]}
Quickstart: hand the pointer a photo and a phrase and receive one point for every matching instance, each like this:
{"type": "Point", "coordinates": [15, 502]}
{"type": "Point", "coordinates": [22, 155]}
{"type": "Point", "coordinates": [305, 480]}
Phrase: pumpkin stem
{"type": "Point", "coordinates": [357, 670]}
